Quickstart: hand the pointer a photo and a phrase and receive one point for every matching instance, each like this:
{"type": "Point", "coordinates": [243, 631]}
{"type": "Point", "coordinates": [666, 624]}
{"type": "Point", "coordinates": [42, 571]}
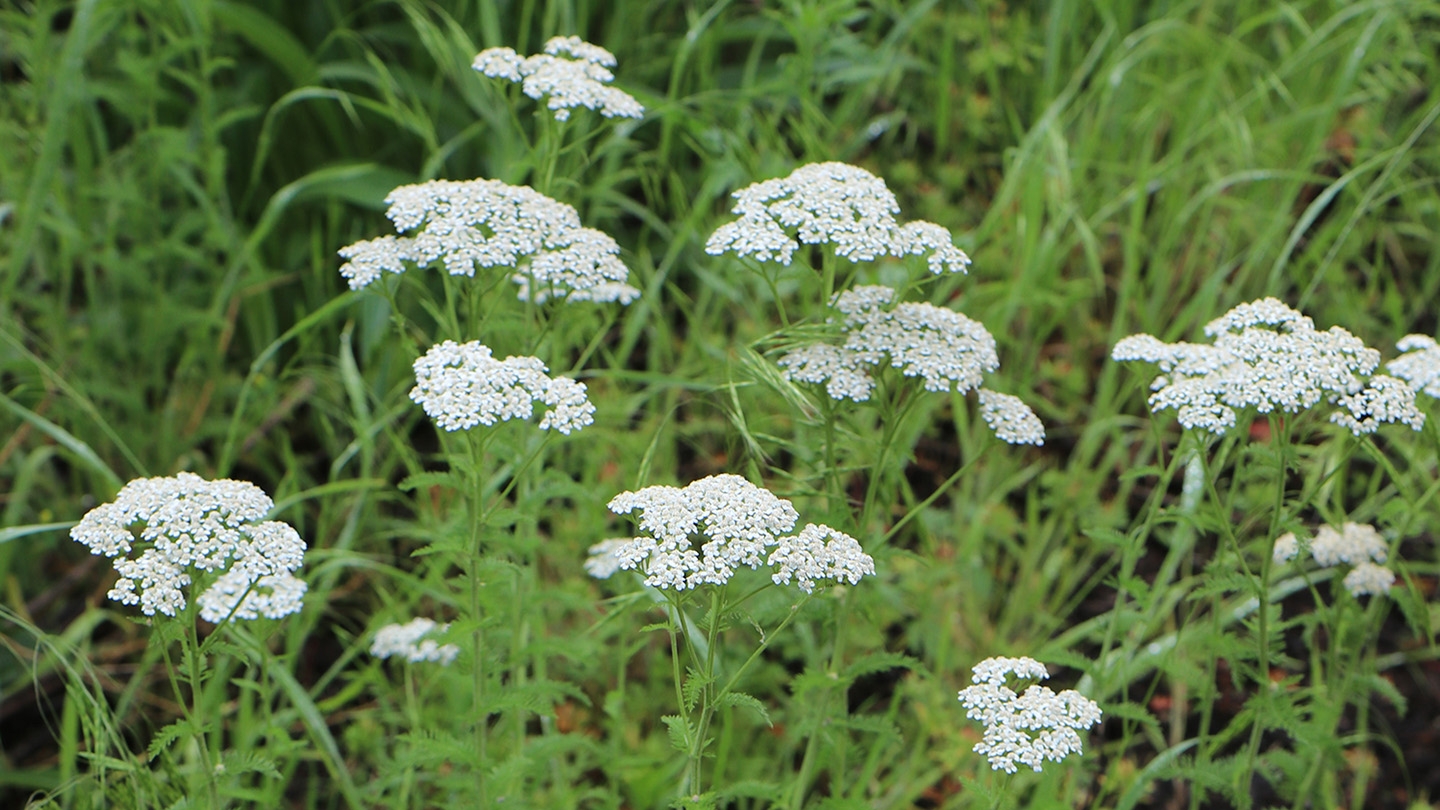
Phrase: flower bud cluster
{"type": "Point", "coordinates": [467, 224]}
{"type": "Point", "coordinates": [210, 526]}
{"type": "Point", "coordinates": [461, 385]}
{"type": "Point", "coordinates": [1028, 728]}
{"type": "Point", "coordinates": [1355, 544]}
{"type": "Point", "coordinates": [1268, 356]}
{"type": "Point", "coordinates": [581, 80]}
{"type": "Point", "coordinates": [830, 203]}
{"type": "Point", "coordinates": [700, 534]}
{"type": "Point", "coordinates": [408, 641]}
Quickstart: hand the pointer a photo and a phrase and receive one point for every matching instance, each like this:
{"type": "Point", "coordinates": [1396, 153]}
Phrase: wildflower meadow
{"type": "Point", "coordinates": [781, 404]}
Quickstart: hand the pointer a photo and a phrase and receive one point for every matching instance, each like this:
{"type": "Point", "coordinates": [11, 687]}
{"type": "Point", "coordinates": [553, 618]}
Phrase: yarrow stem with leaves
{"type": "Point", "coordinates": [696, 539]}
{"type": "Point", "coordinates": [1270, 358]}
{"type": "Point", "coordinates": [213, 531]}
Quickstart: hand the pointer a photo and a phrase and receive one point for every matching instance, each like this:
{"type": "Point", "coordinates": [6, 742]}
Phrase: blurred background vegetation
{"type": "Point", "coordinates": [175, 178]}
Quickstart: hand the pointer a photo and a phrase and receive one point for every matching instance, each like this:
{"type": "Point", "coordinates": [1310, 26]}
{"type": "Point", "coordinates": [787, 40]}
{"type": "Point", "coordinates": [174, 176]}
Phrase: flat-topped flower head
{"type": "Point", "coordinates": [1011, 419]}
{"type": "Point", "coordinates": [1369, 579]}
{"type": "Point", "coordinates": [470, 224]}
{"type": "Point", "coordinates": [945, 349]}
{"type": "Point", "coordinates": [1355, 544]}
{"type": "Point", "coordinates": [571, 71]}
{"type": "Point", "coordinates": [700, 534]}
{"type": "Point", "coordinates": [210, 526]}
{"type": "Point", "coordinates": [1286, 548]}
{"type": "Point", "coordinates": [1269, 357]}
{"type": "Point", "coordinates": [1028, 728]}
{"type": "Point", "coordinates": [602, 562]}
{"type": "Point", "coordinates": [819, 552]}
{"type": "Point", "coordinates": [409, 641]}
{"type": "Point", "coordinates": [1420, 365]}
{"type": "Point", "coordinates": [830, 203]}
{"type": "Point", "coordinates": [461, 385]}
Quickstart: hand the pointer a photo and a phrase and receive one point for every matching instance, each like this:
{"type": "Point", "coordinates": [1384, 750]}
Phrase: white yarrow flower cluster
{"type": "Point", "coordinates": [1356, 544]}
{"type": "Point", "coordinates": [1029, 728]}
{"type": "Point", "coordinates": [830, 203]}
{"type": "Point", "coordinates": [947, 350]}
{"type": "Point", "coordinates": [210, 526]}
{"type": "Point", "coordinates": [734, 523]}
{"type": "Point", "coordinates": [461, 385]}
{"type": "Point", "coordinates": [1420, 365]}
{"type": "Point", "coordinates": [1010, 418]}
{"type": "Point", "coordinates": [1268, 356]}
{"type": "Point", "coordinates": [465, 224]}
{"type": "Point", "coordinates": [572, 72]}
{"type": "Point", "coordinates": [409, 641]}
{"type": "Point", "coordinates": [602, 562]}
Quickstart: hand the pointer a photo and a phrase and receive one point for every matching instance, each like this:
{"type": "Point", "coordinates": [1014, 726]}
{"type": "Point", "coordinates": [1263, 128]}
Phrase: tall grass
{"type": "Point", "coordinates": [175, 179]}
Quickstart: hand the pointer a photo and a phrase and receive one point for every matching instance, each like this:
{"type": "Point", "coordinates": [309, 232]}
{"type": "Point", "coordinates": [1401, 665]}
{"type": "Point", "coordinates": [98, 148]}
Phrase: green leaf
{"type": "Point", "coordinates": [167, 735]}
{"type": "Point", "coordinates": [238, 762]}
{"type": "Point", "coordinates": [430, 479]}
{"type": "Point", "coordinates": [749, 702]}
{"type": "Point", "coordinates": [269, 38]}
{"type": "Point", "coordinates": [681, 733]}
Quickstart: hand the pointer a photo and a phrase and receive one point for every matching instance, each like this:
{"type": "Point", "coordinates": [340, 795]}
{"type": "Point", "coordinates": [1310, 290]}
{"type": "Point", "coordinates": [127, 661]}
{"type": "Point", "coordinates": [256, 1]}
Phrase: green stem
{"type": "Point", "coordinates": [192, 661]}
{"type": "Point", "coordinates": [1262, 681]}
{"type": "Point", "coordinates": [477, 521]}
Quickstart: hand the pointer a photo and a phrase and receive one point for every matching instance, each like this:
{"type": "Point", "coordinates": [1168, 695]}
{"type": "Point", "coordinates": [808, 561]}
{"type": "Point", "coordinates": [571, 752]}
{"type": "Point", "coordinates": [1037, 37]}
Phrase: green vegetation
{"type": "Point", "coordinates": [175, 181]}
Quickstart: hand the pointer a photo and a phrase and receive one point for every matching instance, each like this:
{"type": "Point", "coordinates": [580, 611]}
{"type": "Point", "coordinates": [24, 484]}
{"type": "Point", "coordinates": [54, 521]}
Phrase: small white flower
{"type": "Point", "coordinates": [369, 258]}
{"type": "Point", "coordinates": [1353, 544]}
{"type": "Point", "coordinates": [819, 552]}
{"type": "Point", "coordinates": [944, 348]}
{"type": "Point", "coordinates": [947, 350]}
{"type": "Point", "coordinates": [1029, 728]}
{"type": "Point", "coordinates": [1420, 365]}
{"type": "Point", "coordinates": [210, 526]}
{"type": "Point", "coordinates": [602, 562]}
{"type": "Point", "coordinates": [584, 266]}
{"type": "Point", "coordinates": [734, 522]}
{"type": "Point", "coordinates": [408, 641]}
{"type": "Point", "coordinates": [1010, 418]}
{"type": "Point", "coordinates": [1268, 356]}
{"type": "Point", "coordinates": [830, 203]}
{"type": "Point", "coordinates": [1369, 579]}
{"type": "Point", "coordinates": [463, 385]}
{"type": "Point", "coordinates": [581, 81]}
{"type": "Point", "coordinates": [1286, 548]}
{"type": "Point", "coordinates": [472, 224]}
{"type": "Point", "coordinates": [237, 596]}
{"type": "Point", "coordinates": [1384, 399]}
{"type": "Point", "coordinates": [841, 372]}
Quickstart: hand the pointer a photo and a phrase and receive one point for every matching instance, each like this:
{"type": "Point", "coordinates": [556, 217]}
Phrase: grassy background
{"type": "Point", "coordinates": [175, 179]}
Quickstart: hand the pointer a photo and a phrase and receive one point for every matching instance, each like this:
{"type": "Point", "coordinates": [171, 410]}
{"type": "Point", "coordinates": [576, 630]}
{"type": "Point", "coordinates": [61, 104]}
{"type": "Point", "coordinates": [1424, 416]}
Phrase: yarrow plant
{"type": "Point", "coordinates": [1356, 544]}
{"type": "Point", "coordinates": [1270, 357]}
{"type": "Point", "coordinates": [194, 530]}
{"type": "Point", "coordinates": [737, 523]}
{"type": "Point", "coordinates": [1026, 728]}
{"type": "Point", "coordinates": [461, 385]}
{"type": "Point", "coordinates": [409, 641]}
{"type": "Point", "coordinates": [581, 80]}
{"type": "Point", "coordinates": [696, 537]}
{"type": "Point", "coordinates": [830, 203]}
{"type": "Point", "coordinates": [191, 524]}
{"type": "Point", "coordinates": [479, 224]}
{"type": "Point", "coordinates": [944, 348]}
